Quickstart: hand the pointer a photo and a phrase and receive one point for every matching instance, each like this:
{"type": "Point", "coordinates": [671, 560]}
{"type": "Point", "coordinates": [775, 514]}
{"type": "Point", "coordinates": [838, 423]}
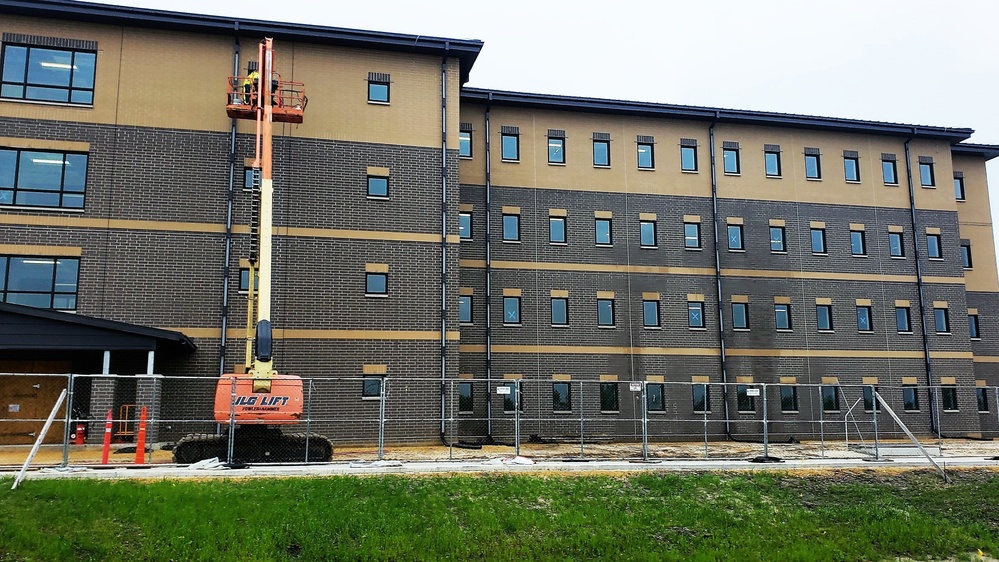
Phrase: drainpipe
{"type": "Point", "coordinates": [444, 186]}
{"type": "Point", "coordinates": [489, 280]}
{"type": "Point", "coordinates": [919, 285]}
{"type": "Point", "coordinates": [228, 217]}
{"type": "Point", "coordinates": [718, 278]}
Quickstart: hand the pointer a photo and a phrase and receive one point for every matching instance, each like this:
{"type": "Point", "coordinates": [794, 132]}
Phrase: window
{"type": "Point", "coordinates": [556, 230]}
{"type": "Point", "coordinates": [771, 160]}
{"type": "Point", "coordinates": [869, 402]}
{"type": "Point", "coordinates": [646, 155]}
{"type": "Point", "coordinates": [601, 149]}
{"type": "Point", "coordinates": [973, 327]}
{"type": "Point", "coordinates": [830, 398]}
{"type": "Point", "coordinates": [556, 146]}
{"type": "Point", "coordinates": [650, 314]}
{"type": "Point", "coordinates": [701, 394]}
{"type": "Point", "coordinates": [465, 309]}
{"type": "Point", "coordinates": [608, 397]}
{"type": "Point", "coordinates": [378, 87]}
{"type": "Point", "coordinates": [511, 310]}
{"type": "Point", "coordinates": [605, 312]}
{"type": "Point", "coordinates": [966, 255]}
{"type": "Point", "coordinates": [465, 141]}
{"type": "Point", "coordinates": [244, 280]}
{"type": "Point", "coordinates": [744, 401]}
{"type": "Point", "coordinates": [376, 284]}
{"type": "Point", "coordinates": [948, 395]}
{"type": "Point", "coordinates": [378, 186]}
{"type": "Point", "coordinates": [647, 234]}
{"type": "Point", "coordinates": [34, 178]}
{"type": "Point", "coordinates": [47, 74]}
{"type": "Point", "coordinates": [695, 314]}
{"type": "Point", "coordinates": [730, 160]}
{"type": "Point", "coordinates": [692, 235]}
{"type": "Point", "coordinates": [902, 323]}
{"type": "Point", "coordinates": [851, 165]}
{"type": "Point", "coordinates": [818, 241]}
{"type": "Point", "coordinates": [250, 179]}
{"type": "Point", "coordinates": [926, 177]}
{"type": "Point", "coordinates": [889, 169]}
{"type": "Point", "coordinates": [510, 143]}
{"type": "Point", "coordinates": [371, 387]}
{"type": "Point", "coordinates": [941, 319]}
{"type": "Point", "coordinates": [782, 316]}
{"type": "Point", "coordinates": [895, 247]}
{"type": "Point", "coordinates": [465, 226]}
{"type": "Point", "coordinates": [735, 237]}
{"type": "Point", "coordinates": [510, 401]}
{"type": "Point", "coordinates": [858, 243]}
{"type": "Point", "coordinates": [777, 239]}
{"type": "Point", "coordinates": [561, 397]}
{"type": "Point", "coordinates": [933, 250]}
{"type": "Point", "coordinates": [864, 320]}
{"type": "Point", "coordinates": [981, 393]}
{"type": "Point", "coordinates": [560, 311]}
{"type": "Point", "coordinates": [655, 397]}
{"type": "Point", "coordinates": [740, 315]}
{"type": "Point", "coordinates": [813, 166]}
{"type": "Point", "coordinates": [511, 228]}
{"type": "Point", "coordinates": [910, 399]}
{"type": "Point", "coordinates": [959, 193]}
{"type": "Point", "coordinates": [41, 282]}
{"type": "Point", "coordinates": [688, 155]}
{"type": "Point", "coordinates": [823, 317]}
{"type": "Point", "coordinates": [788, 398]}
{"type": "Point", "coordinates": [603, 232]}
{"type": "Point", "coordinates": [465, 402]}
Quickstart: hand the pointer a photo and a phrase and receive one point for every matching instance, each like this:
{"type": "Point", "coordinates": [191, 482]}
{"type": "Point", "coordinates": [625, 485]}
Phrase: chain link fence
{"type": "Point", "coordinates": [154, 419]}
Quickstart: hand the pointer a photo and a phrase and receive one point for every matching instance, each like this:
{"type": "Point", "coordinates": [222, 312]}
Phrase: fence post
{"type": "Point", "coordinates": [516, 417]}
{"type": "Point", "coordinates": [874, 409]}
{"type": "Point", "coordinates": [69, 421]}
{"type": "Point", "coordinates": [997, 404]}
{"type": "Point", "coordinates": [766, 433]}
{"type": "Point", "coordinates": [581, 408]}
{"type": "Point", "coordinates": [645, 423]}
{"type": "Point", "coordinates": [308, 421]}
{"type": "Point", "coordinates": [232, 421]}
{"type": "Point", "coordinates": [704, 412]}
{"type": "Point", "coordinates": [936, 412]}
{"type": "Point", "coordinates": [381, 417]}
{"type": "Point", "coordinates": [450, 442]}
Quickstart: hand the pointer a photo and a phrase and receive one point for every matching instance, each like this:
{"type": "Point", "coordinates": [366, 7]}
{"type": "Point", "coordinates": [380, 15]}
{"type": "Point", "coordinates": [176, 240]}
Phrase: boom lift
{"type": "Point", "coordinates": [261, 397]}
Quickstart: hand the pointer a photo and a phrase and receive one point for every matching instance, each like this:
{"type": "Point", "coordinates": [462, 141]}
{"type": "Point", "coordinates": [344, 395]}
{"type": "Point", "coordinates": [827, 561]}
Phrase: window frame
{"type": "Point", "coordinates": [860, 235]}
{"type": "Point", "coordinates": [378, 178]}
{"type": "Point", "coordinates": [370, 276]}
{"type": "Point", "coordinates": [982, 399]}
{"type": "Point", "coordinates": [787, 314]}
{"type": "Point", "coordinates": [387, 84]}
{"type": "Point", "coordinates": [893, 166]}
{"type": "Point", "coordinates": [692, 151]}
{"type": "Point", "coordinates": [366, 390]}
{"type": "Point", "coordinates": [744, 403]}
{"type": "Point", "coordinates": [745, 315]}
{"type": "Point", "coordinates": [870, 402]}
{"type": "Point", "coordinates": [974, 327]}
{"type": "Point", "coordinates": [960, 191]}
{"type": "Point", "coordinates": [560, 141]}
{"type": "Point", "coordinates": [510, 321]}
{"type": "Point", "coordinates": [503, 224]}
{"type": "Point", "coordinates": [244, 281]}
{"type": "Point", "coordinates": [695, 308]}
{"type": "Point", "coordinates": [817, 159]}
{"type": "Point", "coordinates": [657, 320]}
{"type": "Point", "coordinates": [783, 240]}
{"type": "Point", "coordinates": [465, 139]}
{"type": "Point", "coordinates": [948, 398]}
{"type": "Point", "coordinates": [767, 154]}
{"type": "Point", "coordinates": [834, 393]}
{"type": "Point", "coordinates": [642, 224]}
{"type": "Point", "coordinates": [934, 251]}
{"type": "Point", "coordinates": [24, 84]}
{"type": "Point", "coordinates": [725, 161]}
{"type": "Point", "coordinates": [824, 311]}
{"type": "Point", "coordinates": [609, 396]}
{"type": "Point", "coordinates": [791, 396]}
{"type": "Point", "coordinates": [610, 232]}
{"type": "Point", "coordinates": [565, 233]}
{"type": "Point", "coordinates": [62, 194]}
{"type": "Point", "coordinates": [705, 398]}
{"type": "Point", "coordinates": [741, 247]}
{"type": "Point", "coordinates": [560, 403]}
{"type": "Point", "coordinates": [910, 396]}
{"type": "Point", "coordinates": [613, 320]}
{"type": "Point", "coordinates": [966, 262]}
{"type": "Point", "coordinates": [466, 233]}
{"type": "Point", "coordinates": [865, 310]}
{"type": "Point", "coordinates": [565, 311]}
{"type": "Point", "coordinates": [469, 305]}
{"type": "Point", "coordinates": [856, 169]}
{"type": "Point", "coordinates": [901, 245]}
{"type": "Point", "coordinates": [687, 237]}
{"type": "Point", "coordinates": [651, 147]}
{"type": "Point", "coordinates": [466, 401]}
{"type": "Point", "coordinates": [514, 399]}
{"type": "Point", "coordinates": [650, 405]}
{"type": "Point", "coordinates": [941, 316]}
{"type": "Point", "coordinates": [930, 174]}
{"type": "Point", "coordinates": [606, 144]}
{"type": "Point", "coordinates": [516, 147]}
{"type": "Point", "coordinates": [908, 319]}
{"type": "Point", "coordinates": [54, 296]}
{"type": "Point", "coordinates": [824, 250]}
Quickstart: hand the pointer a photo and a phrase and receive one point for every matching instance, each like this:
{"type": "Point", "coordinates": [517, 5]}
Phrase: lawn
{"type": "Point", "coordinates": [649, 516]}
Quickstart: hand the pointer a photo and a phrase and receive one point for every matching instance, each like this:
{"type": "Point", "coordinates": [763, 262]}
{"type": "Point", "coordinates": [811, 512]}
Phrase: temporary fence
{"type": "Point", "coordinates": [402, 418]}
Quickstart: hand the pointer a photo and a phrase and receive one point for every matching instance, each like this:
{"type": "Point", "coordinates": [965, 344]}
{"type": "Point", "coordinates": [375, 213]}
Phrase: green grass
{"type": "Point", "coordinates": [652, 516]}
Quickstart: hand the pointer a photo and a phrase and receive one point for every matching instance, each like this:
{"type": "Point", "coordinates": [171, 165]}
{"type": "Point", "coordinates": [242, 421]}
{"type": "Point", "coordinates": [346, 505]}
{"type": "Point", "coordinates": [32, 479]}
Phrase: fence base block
{"type": "Point", "coordinates": [766, 459]}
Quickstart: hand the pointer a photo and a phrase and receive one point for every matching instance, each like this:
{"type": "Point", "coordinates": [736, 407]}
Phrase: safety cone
{"type": "Point", "coordinates": [140, 440]}
{"type": "Point", "coordinates": [107, 439]}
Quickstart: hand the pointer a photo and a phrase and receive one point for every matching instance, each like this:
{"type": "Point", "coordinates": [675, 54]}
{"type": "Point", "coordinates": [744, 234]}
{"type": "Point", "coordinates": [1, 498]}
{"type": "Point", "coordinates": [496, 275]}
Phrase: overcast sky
{"type": "Point", "coordinates": [927, 62]}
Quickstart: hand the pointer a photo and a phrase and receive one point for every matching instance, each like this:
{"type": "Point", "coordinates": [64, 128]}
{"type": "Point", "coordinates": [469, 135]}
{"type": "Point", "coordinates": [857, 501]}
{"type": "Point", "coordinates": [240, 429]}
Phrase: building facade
{"type": "Point", "coordinates": [431, 232]}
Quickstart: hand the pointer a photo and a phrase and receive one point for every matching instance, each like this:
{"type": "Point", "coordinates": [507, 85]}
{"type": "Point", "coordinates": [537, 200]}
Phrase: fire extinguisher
{"type": "Point", "coordinates": [79, 434]}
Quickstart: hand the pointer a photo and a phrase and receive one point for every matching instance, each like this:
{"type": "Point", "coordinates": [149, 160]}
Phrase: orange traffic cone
{"type": "Point", "coordinates": [140, 440]}
{"type": "Point", "coordinates": [107, 439]}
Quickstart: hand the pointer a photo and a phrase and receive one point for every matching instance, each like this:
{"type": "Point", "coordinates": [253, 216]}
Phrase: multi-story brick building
{"type": "Point", "coordinates": [426, 231]}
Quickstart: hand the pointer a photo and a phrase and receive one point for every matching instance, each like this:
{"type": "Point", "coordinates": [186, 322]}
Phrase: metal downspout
{"type": "Point", "coordinates": [919, 285]}
{"type": "Point", "coordinates": [718, 281]}
{"type": "Point", "coordinates": [228, 217]}
{"type": "Point", "coordinates": [444, 186]}
{"type": "Point", "coordinates": [489, 283]}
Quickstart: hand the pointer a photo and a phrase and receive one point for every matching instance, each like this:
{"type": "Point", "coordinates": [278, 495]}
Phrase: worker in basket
{"type": "Point", "coordinates": [250, 85]}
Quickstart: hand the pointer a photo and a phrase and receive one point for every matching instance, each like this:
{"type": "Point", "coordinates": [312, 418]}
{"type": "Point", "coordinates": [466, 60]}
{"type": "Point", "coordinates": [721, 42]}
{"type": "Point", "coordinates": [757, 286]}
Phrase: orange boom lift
{"type": "Point", "coordinates": [261, 398]}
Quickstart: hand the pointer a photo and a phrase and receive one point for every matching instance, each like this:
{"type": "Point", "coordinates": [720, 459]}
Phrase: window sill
{"type": "Point", "coordinates": [860, 255]}
{"type": "Point", "coordinates": [790, 412]}
{"type": "Point", "coordinates": [813, 179]}
{"type": "Point", "coordinates": [465, 413]}
{"type": "Point", "coordinates": [43, 209]}
{"type": "Point", "coordinates": [376, 295]}
{"type": "Point", "coordinates": [774, 177]}
{"type": "Point", "coordinates": [607, 327]}
{"type": "Point", "coordinates": [689, 171]}
{"type": "Point", "coordinates": [747, 412]}
{"type": "Point", "coordinates": [952, 411]}
{"type": "Point", "coordinates": [657, 412]}
{"type": "Point", "coordinates": [827, 331]}
{"type": "Point", "coordinates": [779, 252]}
{"type": "Point", "coordinates": [604, 245]}
{"type": "Point", "coordinates": [733, 174]}
{"type": "Point", "coordinates": [696, 329]}
{"type": "Point", "coordinates": [52, 103]}
{"type": "Point", "coordinates": [866, 332]}
{"type": "Point", "coordinates": [378, 197]}
{"type": "Point", "coordinates": [371, 398]}
{"type": "Point", "coordinates": [560, 325]}
{"type": "Point", "coordinates": [466, 239]}
{"type": "Point", "coordinates": [944, 333]}
{"type": "Point", "coordinates": [909, 333]}
{"type": "Point", "coordinates": [512, 325]}
{"type": "Point", "coordinates": [511, 241]}
{"type": "Point", "coordinates": [652, 327]}
{"type": "Point", "coordinates": [740, 329]}
{"type": "Point", "coordinates": [854, 182]}
{"type": "Point", "coordinates": [897, 257]}
{"type": "Point", "coordinates": [821, 254]}
{"type": "Point", "coordinates": [649, 247]}
{"type": "Point", "coordinates": [976, 339]}
{"type": "Point", "coordinates": [560, 164]}
{"type": "Point", "coordinates": [610, 411]}
{"type": "Point", "coordinates": [784, 330]}
{"type": "Point", "coordinates": [968, 268]}
{"type": "Point", "coordinates": [558, 243]}
{"type": "Point", "coordinates": [689, 249]}
{"type": "Point", "coordinates": [737, 251]}
{"type": "Point", "coordinates": [466, 323]}
{"type": "Point", "coordinates": [510, 160]}
{"type": "Point", "coordinates": [911, 411]}
{"type": "Point", "coordinates": [562, 412]}
{"type": "Point", "coordinates": [641, 169]}
{"type": "Point", "coordinates": [929, 187]}
{"type": "Point", "coordinates": [460, 157]}
{"type": "Point", "coordinates": [935, 259]}
{"type": "Point", "coordinates": [376, 102]}
{"type": "Point", "coordinates": [891, 185]}
{"type": "Point", "coordinates": [830, 411]}
{"type": "Point", "coordinates": [602, 166]}
{"type": "Point", "coordinates": [960, 200]}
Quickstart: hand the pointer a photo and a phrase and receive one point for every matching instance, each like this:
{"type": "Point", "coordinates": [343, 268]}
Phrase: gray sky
{"type": "Point", "coordinates": [926, 62]}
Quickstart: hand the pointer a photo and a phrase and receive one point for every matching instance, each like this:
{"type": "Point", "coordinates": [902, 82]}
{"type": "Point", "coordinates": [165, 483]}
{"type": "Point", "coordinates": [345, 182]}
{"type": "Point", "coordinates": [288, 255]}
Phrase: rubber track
{"type": "Point", "coordinates": [273, 446]}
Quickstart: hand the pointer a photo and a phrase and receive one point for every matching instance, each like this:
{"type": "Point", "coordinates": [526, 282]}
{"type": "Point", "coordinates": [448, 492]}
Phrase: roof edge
{"type": "Point", "coordinates": [986, 151]}
{"type": "Point", "coordinates": [711, 114]}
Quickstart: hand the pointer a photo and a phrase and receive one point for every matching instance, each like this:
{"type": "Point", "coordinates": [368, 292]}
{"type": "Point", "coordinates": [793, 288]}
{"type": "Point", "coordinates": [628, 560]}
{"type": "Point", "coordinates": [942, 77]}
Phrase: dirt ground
{"type": "Point", "coordinates": [50, 455]}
